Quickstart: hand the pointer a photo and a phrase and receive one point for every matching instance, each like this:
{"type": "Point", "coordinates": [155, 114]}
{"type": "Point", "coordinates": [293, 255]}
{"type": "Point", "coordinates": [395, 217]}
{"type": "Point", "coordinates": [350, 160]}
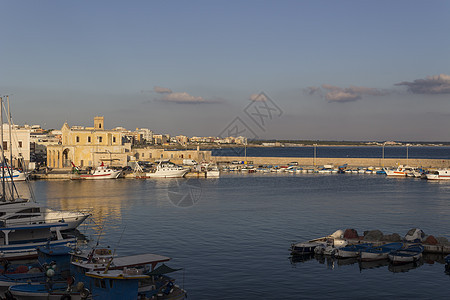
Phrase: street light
{"type": "Point", "coordinates": [315, 145]}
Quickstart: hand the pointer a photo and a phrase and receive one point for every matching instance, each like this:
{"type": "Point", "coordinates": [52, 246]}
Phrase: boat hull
{"type": "Point", "coordinates": [171, 174]}
{"type": "Point", "coordinates": [110, 175]}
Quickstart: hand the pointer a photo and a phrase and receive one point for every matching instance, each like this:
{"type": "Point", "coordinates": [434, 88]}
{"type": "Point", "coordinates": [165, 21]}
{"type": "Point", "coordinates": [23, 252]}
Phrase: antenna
{"type": "Point", "coordinates": [114, 252]}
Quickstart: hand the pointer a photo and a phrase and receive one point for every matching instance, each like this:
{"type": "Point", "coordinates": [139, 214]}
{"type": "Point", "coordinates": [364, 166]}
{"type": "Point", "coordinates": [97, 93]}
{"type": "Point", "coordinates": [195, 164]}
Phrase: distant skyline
{"type": "Point", "coordinates": [331, 70]}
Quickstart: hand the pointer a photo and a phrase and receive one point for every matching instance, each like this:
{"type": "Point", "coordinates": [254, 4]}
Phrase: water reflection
{"type": "Point", "coordinates": [332, 262]}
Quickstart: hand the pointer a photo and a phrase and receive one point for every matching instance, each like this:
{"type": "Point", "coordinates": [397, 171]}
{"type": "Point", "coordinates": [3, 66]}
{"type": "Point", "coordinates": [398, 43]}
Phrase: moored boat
{"type": "Point", "coordinates": [380, 252]}
{"type": "Point", "coordinates": [21, 242]}
{"type": "Point", "coordinates": [351, 250]}
{"type": "Point", "coordinates": [168, 170]}
{"type": "Point", "coordinates": [306, 247]}
{"type": "Point", "coordinates": [101, 172]}
{"type": "Point", "coordinates": [443, 174]}
{"type": "Point", "coordinates": [12, 174]}
{"type": "Point", "coordinates": [407, 254]}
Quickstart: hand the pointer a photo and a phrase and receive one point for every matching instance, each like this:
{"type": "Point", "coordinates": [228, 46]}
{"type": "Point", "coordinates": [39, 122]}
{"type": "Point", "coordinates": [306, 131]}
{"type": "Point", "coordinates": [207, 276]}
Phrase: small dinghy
{"type": "Point", "coordinates": [405, 255]}
{"type": "Point", "coordinates": [306, 247]}
{"type": "Point", "coordinates": [381, 252]}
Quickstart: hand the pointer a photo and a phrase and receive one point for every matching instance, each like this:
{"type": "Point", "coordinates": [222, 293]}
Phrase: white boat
{"type": "Point", "coordinates": [25, 212]}
{"type": "Point", "coordinates": [168, 170]}
{"type": "Point", "coordinates": [401, 171]}
{"type": "Point", "coordinates": [443, 174]}
{"type": "Point", "coordinates": [101, 172]}
{"type": "Point", "coordinates": [213, 172]}
{"type": "Point", "coordinates": [16, 174]}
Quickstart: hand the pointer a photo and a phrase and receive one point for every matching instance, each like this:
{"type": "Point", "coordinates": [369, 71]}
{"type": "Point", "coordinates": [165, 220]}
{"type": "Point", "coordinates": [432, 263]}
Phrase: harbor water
{"type": "Point", "coordinates": [231, 235]}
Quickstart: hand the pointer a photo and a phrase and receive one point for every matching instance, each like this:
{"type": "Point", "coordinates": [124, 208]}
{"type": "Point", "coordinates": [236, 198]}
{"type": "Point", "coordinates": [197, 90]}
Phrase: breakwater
{"type": "Point", "coordinates": [351, 162]}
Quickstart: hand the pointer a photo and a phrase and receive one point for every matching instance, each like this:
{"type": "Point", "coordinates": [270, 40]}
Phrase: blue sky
{"type": "Point", "coordinates": [336, 70]}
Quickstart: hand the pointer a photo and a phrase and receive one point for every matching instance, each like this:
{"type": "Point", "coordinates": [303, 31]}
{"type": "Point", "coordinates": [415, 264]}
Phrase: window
{"type": "Point", "coordinates": [20, 144]}
{"type": "Point", "coordinates": [114, 139]}
{"type": "Point", "coordinates": [5, 145]}
{"type": "Point", "coordinates": [100, 139]}
{"type": "Point", "coordinates": [89, 139]}
{"type": "Point", "coordinates": [78, 139]}
{"type": "Point", "coordinates": [142, 154]}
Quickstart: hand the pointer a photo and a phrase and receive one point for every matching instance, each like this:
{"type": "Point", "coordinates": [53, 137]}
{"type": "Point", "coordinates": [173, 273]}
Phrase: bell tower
{"type": "Point", "coordinates": [99, 123]}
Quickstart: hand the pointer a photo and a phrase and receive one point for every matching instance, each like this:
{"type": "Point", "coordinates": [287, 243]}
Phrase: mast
{"type": "Point", "coordinates": [11, 170]}
{"type": "Point", "coordinates": [3, 152]}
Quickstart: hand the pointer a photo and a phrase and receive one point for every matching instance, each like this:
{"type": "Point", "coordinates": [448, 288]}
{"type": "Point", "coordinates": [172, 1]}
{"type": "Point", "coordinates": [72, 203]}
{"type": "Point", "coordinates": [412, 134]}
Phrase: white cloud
{"type": "Point", "coordinates": [182, 98]}
{"type": "Point", "coordinates": [337, 94]}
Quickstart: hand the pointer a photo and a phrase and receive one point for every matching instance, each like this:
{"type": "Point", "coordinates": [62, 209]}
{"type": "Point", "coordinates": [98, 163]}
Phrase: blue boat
{"type": "Point", "coordinates": [21, 242]}
{"type": "Point", "coordinates": [380, 252]}
{"type": "Point", "coordinates": [108, 277]}
{"type": "Point", "coordinates": [52, 262]}
{"type": "Point", "coordinates": [406, 254]}
{"type": "Point", "coordinates": [351, 250]}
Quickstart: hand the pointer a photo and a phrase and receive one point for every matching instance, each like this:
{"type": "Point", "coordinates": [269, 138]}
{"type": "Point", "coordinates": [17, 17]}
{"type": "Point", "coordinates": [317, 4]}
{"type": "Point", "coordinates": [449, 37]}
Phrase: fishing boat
{"type": "Point", "coordinates": [351, 250]}
{"type": "Point", "coordinates": [21, 242]}
{"type": "Point", "coordinates": [443, 174]}
{"type": "Point", "coordinates": [53, 261]}
{"type": "Point", "coordinates": [406, 254]}
{"type": "Point", "coordinates": [106, 276]}
{"type": "Point", "coordinates": [400, 171]}
{"type": "Point", "coordinates": [380, 252]}
{"type": "Point", "coordinates": [167, 169]}
{"type": "Point", "coordinates": [101, 172]}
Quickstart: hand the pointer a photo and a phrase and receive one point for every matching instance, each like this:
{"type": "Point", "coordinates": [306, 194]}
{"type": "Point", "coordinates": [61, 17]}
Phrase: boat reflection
{"type": "Point", "coordinates": [332, 262]}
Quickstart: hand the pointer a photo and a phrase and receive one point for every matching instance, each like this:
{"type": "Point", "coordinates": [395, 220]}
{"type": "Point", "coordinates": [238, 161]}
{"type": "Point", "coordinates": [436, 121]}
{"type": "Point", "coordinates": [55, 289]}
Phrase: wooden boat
{"type": "Point", "coordinates": [407, 254]}
{"type": "Point", "coordinates": [381, 252]}
{"type": "Point", "coordinates": [306, 247]}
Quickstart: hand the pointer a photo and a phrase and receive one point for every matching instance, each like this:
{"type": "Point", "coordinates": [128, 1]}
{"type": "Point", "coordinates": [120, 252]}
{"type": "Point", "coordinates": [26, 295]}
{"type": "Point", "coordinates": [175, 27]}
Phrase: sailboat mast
{"type": "Point", "coordinates": [11, 170]}
{"type": "Point", "coordinates": [3, 152]}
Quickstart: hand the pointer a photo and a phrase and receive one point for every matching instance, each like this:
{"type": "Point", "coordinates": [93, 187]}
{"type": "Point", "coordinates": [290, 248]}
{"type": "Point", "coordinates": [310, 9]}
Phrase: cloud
{"type": "Point", "coordinates": [182, 98]}
{"type": "Point", "coordinates": [162, 90]}
{"type": "Point", "coordinates": [337, 94]}
{"type": "Point", "coordinates": [311, 90]}
{"type": "Point", "coordinates": [341, 96]}
{"type": "Point", "coordinates": [438, 84]}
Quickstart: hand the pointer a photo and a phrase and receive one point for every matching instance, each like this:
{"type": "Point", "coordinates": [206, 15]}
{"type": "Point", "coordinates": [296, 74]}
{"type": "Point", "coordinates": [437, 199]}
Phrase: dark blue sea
{"type": "Point", "coordinates": [340, 152]}
{"type": "Point", "coordinates": [231, 235]}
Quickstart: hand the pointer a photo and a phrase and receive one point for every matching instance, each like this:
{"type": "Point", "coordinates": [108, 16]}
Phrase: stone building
{"type": "Point", "coordinates": [20, 145]}
{"type": "Point", "coordinates": [89, 147]}
{"type": "Point", "coordinates": [176, 156]}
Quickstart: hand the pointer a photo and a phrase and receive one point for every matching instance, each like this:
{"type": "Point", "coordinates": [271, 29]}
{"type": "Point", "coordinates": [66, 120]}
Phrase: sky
{"type": "Point", "coordinates": [314, 70]}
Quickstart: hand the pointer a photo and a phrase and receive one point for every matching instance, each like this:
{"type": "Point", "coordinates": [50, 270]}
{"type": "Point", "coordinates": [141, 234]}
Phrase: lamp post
{"type": "Point", "coordinates": [314, 162]}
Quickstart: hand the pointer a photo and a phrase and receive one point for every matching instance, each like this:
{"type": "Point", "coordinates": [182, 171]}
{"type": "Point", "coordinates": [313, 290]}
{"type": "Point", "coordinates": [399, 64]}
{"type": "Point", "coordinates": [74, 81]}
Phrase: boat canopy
{"type": "Point", "coordinates": [162, 269]}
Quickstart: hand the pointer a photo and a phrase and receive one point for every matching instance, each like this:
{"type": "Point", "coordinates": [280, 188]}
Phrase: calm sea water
{"type": "Point", "coordinates": [231, 235]}
{"type": "Point", "coordinates": [351, 152]}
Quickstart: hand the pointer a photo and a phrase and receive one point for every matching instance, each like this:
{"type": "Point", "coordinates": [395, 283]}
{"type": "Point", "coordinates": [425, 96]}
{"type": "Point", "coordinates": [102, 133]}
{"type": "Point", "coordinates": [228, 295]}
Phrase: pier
{"type": "Point", "coordinates": [351, 162]}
